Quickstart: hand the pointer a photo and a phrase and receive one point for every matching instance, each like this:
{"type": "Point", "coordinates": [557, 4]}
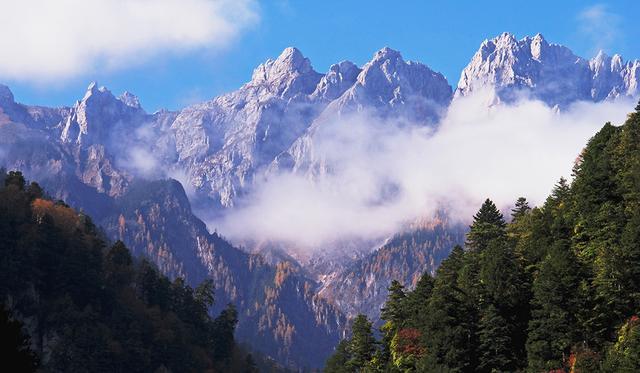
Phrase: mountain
{"type": "Point", "coordinates": [105, 155]}
{"type": "Point", "coordinates": [223, 144]}
{"type": "Point", "coordinates": [279, 310]}
{"type": "Point", "coordinates": [386, 87]}
{"type": "Point", "coordinates": [549, 72]}
{"type": "Point", "coordinates": [361, 287]}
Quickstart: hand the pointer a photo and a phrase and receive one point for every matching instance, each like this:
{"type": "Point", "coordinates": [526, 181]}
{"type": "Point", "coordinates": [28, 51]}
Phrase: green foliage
{"type": "Point", "coordinates": [92, 307]}
{"type": "Point", "coordinates": [556, 289]}
{"type": "Point", "coordinates": [624, 355]}
{"type": "Point", "coordinates": [362, 344]}
{"type": "Point", "coordinates": [337, 363]}
{"type": "Point", "coordinates": [488, 224]}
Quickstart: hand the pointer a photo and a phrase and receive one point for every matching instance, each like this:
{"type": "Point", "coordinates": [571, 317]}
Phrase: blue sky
{"type": "Point", "coordinates": [173, 72]}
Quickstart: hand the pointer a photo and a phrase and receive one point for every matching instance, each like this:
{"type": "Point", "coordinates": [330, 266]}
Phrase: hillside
{"type": "Point", "coordinates": [74, 303]}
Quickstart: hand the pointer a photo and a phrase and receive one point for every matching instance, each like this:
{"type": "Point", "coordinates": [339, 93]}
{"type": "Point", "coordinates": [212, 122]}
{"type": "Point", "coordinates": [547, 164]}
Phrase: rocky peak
{"type": "Point", "coordinates": [290, 74]}
{"type": "Point", "coordinates": [98, 112]}
{"type": "Point", "coordinates": [397, 87]}
{"type": "Point", "coordinates": [6, 96]}
{"type": "Point", "coordinates": [549, 72]}
{"type": "Point", "coordinates": [538, 45]}
{"type": "Point", "coordinates": [334, 83]}
{"type": "Point", "coordinates": [130, 100]}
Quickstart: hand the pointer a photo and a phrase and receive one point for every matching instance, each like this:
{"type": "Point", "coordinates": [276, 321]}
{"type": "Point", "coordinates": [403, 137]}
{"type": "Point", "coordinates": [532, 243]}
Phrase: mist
{"type": "Point", "coordinates": [383, 174]}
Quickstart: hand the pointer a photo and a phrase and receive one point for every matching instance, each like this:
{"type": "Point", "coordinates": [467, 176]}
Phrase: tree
{"type": "Point", "coordinates": [118, 266]}
{"type": "Point", "coordinates": [449, 331]}
{"type": "Point", "coordinates": [224, 326]}
{"type": "Point", "coordinates": [418, 300]}
{"type": "Point", "coordinates": [496, 350]}
{"type": "Point", "coordinates": [504, 307]}
{"type": "Point", "coordinates": [394, 312]}
{"type": "Point", "coordinates": [394, 309]}
{"type": "Point", "coordinates": [521, 208]}
{"type": "Point", "coordinates": [15, 346]}
{"type": "Point", "coordinates": [362, 344]}
{"type": "Point", "coordinates": [624, 355]}
{"type": "Point", "coordinates": [337, 363]}
{"type": "Point", "coordinates": [556, 300]}
{"type": "Point", "coordinates": [488, 224]}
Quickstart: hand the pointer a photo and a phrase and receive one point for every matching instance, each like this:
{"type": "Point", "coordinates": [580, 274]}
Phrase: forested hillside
{"type": "Point", "coordinates": [555, 289]}
{"type": "Point", "coordinates": [73, 303]}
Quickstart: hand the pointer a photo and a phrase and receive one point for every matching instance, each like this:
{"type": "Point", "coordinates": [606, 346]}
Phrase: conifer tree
{"type": "Point", "coordinates": [394, 313]}
{"type": "Point", "coordinates": [337, 363]}
{"type": "Point", "coordinates": [520, 209]}
{"type": "Point", "coordinates": [362, 344]}
{"type": "Point", "coordinates": [488, 224]}
{"type": "Point", "coordinates": [496, 350]}
{"type": "Point", "coordinates": [556, 299]}
{"type": "Point", "coordinates": [448, 332]}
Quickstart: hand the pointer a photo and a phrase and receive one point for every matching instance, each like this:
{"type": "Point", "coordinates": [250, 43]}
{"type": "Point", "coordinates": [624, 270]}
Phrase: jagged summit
{"type": "Point", "coordinates": [130, 99]}
{"type": "Point", "coordinates": [386, 53]}
{"type": "Point", "coordinates": [549, 72]}
{"type": "Point", "coordinates": [397, 87]}
{"type": "Point", "coordinates": [289, 74]}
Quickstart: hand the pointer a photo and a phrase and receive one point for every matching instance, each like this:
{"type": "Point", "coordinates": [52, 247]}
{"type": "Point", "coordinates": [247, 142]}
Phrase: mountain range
{"type": "Point", "coordinates": [139, 174]}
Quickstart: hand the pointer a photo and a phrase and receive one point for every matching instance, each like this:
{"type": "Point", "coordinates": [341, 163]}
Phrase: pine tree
{"type": "Point", "coordinates": [520, 209]}
{"type": "Point", "coordinates": [496, 350]}
{"type": "Point", "coordinates": [394, 309]}
{"type": "Point", "coordinates": [362, 344]}
{"type": "Point", "coordinates": [417, 301]}
{"type": "Point", "coordinates": [337, 363]}
{"type": "Point", "coordinates": [394, 313]}
{"type": "Point", "coordinates": [556, 300]}
{"type": "Point", "coordinates": [448, 332]}
{"type": "Point", "coordinates": [488, 224]}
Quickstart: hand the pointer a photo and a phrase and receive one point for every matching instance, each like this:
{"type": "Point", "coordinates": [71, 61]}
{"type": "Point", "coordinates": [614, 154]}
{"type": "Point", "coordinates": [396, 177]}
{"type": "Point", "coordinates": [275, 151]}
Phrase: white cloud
{"type": "Point", "coordinates": [57, 39]}
{"type": "Point", "coordinates": [385, 174]}
{"type": "Point", "coordinates": [600, 25]}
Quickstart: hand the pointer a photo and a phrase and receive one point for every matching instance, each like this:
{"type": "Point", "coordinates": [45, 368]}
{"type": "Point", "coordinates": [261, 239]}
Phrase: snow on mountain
{"type": "Point", "coordinates": [549, 72]}
{"type": "Point", "coordinates": [386, 87]}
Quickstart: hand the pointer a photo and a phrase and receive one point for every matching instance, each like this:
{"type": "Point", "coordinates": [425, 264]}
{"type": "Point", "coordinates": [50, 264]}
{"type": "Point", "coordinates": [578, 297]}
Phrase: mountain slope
{"type": "Point", "coordinates": [361, 287]}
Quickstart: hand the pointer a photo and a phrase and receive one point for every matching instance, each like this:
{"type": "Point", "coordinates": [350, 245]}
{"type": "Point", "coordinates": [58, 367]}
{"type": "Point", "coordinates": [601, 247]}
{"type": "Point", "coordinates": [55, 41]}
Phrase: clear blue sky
{"type": "Point", "coordinates": [442, 34]}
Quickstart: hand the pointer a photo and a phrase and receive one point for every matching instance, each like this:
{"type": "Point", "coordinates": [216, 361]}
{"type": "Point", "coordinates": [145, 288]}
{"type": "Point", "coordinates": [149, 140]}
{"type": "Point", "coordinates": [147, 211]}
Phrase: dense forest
{"type": "Point", "coordinates": [71, 302]}
{"type": "Point", "coordinates": [557, 289]}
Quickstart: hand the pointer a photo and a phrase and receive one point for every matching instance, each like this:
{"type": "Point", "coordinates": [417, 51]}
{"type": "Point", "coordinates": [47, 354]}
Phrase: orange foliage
{"type": "Point", "coordinates": [63, 217]}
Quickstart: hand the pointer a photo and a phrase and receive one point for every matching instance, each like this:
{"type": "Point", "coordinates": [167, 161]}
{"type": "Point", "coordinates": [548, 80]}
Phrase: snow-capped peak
{"type": "Point", "coordinates": [549, 72]}
{"type": "Point", "coordinates": [130, 100]}
{"type": "Point", "coordinates": [291, 73]}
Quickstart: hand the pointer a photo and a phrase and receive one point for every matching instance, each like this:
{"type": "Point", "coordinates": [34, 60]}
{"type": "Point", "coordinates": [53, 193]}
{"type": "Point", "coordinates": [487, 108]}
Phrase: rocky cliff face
{"type": "Point", "coordinates": [361, 287]}
{"type": "Point", "coordinates": [549, 72]}
{"type": "Point", "coordinates": [280, 312]}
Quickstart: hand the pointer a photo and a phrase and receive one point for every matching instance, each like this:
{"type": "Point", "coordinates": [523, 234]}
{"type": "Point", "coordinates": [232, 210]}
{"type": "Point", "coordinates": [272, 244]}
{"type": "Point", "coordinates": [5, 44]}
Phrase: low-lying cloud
{"type": "Point", "coordinates": [384, 174]}
{"type": "Point", "coordinates": [50, 40]}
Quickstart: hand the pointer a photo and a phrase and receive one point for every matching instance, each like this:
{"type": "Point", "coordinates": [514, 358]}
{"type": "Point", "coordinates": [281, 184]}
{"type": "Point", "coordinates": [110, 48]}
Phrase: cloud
{"type": "Point", "coordinates": [384, 174]}
{"type": "Point", "coordinates": [45, 40]}
{"type": "Point", "coordinates": [600, 25]}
